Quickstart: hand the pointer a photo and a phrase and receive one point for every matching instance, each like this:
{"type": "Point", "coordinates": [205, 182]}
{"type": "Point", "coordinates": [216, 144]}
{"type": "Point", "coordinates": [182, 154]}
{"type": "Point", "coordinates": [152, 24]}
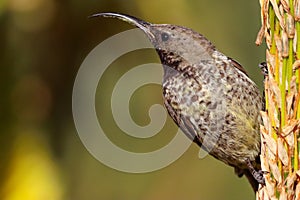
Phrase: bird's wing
{"type": "Point", "coordinates": [238, 66]}
{"type": "Point", "coordinates": [183, 122]}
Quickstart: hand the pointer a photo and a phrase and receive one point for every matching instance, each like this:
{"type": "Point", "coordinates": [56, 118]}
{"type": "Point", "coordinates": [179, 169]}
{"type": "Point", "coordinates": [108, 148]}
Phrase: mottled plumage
{"type": "Point", "coordinates": [208, 95]}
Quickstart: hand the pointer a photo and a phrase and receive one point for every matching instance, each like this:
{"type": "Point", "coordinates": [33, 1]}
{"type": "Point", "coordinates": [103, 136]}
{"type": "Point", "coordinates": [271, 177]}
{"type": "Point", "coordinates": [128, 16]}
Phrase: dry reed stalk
{"type": "Point", "coordinates": [281, 120]}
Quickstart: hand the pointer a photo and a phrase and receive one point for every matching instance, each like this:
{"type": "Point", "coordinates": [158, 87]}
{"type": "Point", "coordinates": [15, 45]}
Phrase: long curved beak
{"type": "Point", "coordinates": [141, 24]}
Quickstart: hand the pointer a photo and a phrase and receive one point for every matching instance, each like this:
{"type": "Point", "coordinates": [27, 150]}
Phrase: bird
{"type": "Point", "coordinates": [208, 95]}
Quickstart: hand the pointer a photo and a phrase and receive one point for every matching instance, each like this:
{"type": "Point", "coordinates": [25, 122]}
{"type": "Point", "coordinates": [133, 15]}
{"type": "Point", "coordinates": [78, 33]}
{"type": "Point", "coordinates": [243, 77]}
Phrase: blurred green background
{"type": "Point", "coordinates": [43, 43]}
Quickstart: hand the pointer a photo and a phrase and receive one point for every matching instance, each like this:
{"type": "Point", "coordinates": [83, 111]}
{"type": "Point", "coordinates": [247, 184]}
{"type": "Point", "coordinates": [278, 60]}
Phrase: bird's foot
{"type": "Point", "coordinates": [257, 174]}
{"type": "Point", "coordinates": [264, 68]}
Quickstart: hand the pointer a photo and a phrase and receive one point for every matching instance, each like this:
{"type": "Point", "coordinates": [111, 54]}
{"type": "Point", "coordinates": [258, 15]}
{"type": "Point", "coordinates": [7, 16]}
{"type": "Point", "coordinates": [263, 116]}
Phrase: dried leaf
{"type": "Point", "coordinates": [285, 5]}
{"type": "Point", "coordinates": [275, 89]}
{"type": "Point", "coordinates": [270, 188]}
{"type": "Point", "coordinates": [295, 42]}
{"type": "Point", "coordinates": [282, 153]}
{"type": "Point", "coordinates": [297, 191]}
{"type": "Point", "coordinates": [264, 11]}
{"type": "Point", "coordinates": [289, 105]}
{"type": "Point", "coordinates": [270, 142]}
{"type": "Point", "coordinates": [283, 195]}
{"type": "Point", "coordinates": [290, 180]}
{"type": "Point", "coordinates": [290, 26]}
{"type": "Point", "coordinates": [293, 84]}
{"type": "Point", "coordinates": [262, 194]}
{"type": "Point", "coordinates": [296, 65]}
{"type": "Point", "coordinates": [297, 10]}
{"type": "Point", "coordinates": [275, 171]}
{"type": "Point", "coordinates": [287, 129]}
{"type": "Point", "coordinates": [263, 158]}
{"type": "Point", "coordinates": [285, 44]}
{"type": "Point", "coordinates": [260, 36]}
{"type": "Point", "coordinates": [277, 13]}
{"type": "Point", "coordinates": [278, 44]}
{"type": "Point", "coordinates": [290, 139]}
{"type": "Point", "coordinates": [265, 119]}
{"type": "Point", "coordinates": [271, 59]}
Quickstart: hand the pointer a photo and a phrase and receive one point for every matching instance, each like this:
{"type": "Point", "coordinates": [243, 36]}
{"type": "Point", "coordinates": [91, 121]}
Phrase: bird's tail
{"type": "Point", "coordinates": [251, 180]}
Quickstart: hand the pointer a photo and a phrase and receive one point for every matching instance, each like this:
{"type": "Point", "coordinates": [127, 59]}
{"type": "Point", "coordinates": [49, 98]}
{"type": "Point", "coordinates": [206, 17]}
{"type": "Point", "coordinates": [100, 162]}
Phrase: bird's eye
{"type": "Point", "coordinates": [164, 37]}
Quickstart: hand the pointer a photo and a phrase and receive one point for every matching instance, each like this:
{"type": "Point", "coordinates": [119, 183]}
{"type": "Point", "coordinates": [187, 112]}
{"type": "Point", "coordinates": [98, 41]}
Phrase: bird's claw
{"type": "Point", "coordinates": [257, 174]}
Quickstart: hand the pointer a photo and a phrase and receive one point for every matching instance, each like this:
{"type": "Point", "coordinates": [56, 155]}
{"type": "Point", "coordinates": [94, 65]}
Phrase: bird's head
{"type": "Point", "coordinates": [171, 41]}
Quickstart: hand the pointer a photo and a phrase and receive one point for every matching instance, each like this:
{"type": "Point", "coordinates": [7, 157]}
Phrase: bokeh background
{"type": "Point", "coordinates": [43, 43]}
